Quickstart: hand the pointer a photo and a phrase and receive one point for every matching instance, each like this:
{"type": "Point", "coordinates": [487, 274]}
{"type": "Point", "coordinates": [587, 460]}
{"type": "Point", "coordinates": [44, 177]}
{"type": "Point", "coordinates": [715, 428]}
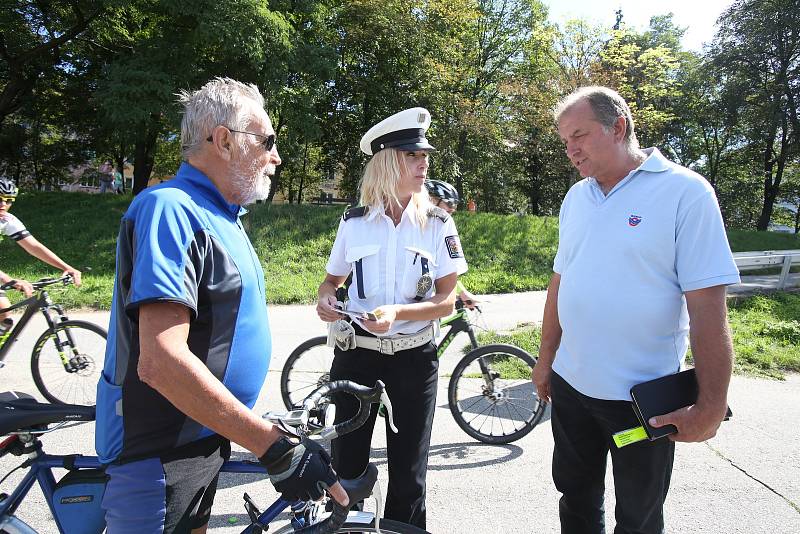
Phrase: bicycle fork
{"type": "Point", "coordinates": [73, 362]}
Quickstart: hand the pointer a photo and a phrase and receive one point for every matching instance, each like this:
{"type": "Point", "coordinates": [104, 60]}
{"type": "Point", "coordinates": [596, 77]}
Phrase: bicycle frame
{"type": "Point", "coordinates": [40, 470]}
{"type": "Point", "coordinates": [38, 303]}
{"type": "Point", "coordinates": [459, 322]}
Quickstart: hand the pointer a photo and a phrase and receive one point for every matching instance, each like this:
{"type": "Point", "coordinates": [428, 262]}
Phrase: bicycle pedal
{"type": "Point", "coordinates": [253, 513]}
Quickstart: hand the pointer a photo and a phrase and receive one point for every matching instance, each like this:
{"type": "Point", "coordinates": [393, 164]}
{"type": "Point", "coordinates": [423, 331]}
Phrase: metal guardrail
{"type": "Point", "coordinates": [749, 261]}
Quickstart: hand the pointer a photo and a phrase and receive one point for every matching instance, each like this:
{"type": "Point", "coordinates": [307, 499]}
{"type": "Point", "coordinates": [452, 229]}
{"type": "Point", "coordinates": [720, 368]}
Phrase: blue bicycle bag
{"type": "Point", "coordinates": [77, 499]}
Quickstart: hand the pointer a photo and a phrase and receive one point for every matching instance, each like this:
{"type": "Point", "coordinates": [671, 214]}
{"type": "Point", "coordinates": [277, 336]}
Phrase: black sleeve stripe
{"type": "Point", "coordinates": [20, 235]}
{"type": "Point", "coordinates": [132, 309]}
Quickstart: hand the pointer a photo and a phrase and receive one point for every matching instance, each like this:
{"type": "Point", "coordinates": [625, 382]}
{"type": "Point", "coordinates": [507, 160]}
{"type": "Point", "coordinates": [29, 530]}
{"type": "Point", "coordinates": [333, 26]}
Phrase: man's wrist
{"type": "Point", "coordinates": [276, 452]}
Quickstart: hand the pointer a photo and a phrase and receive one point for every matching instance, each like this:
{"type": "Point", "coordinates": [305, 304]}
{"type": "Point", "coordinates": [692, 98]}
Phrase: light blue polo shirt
{"type": "Point", "coordinates": [625, 261]}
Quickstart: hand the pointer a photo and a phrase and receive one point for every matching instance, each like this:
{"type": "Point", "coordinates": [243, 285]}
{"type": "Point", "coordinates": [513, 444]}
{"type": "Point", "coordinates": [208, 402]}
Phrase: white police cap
{"type": "Point", "coordinates": [402, 131]}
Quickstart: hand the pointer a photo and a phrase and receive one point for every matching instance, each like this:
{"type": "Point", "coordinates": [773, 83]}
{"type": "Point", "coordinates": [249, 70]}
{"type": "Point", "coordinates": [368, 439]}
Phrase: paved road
{"type": "Point", "coordinates": [745, 480]}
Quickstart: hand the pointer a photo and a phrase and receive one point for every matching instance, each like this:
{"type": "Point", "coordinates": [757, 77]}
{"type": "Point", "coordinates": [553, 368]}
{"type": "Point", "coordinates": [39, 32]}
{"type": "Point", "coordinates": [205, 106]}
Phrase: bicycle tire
{"type": "Point", "coordinates": [306, 368]}
{"type": "Point", "coordinates": [503, 412]}
{"type": "Point", "coordinates": [13, 525]}
{"type": "Point", "coordinates": [54, 382]}
{"type": "Point", "coordinates": [350, 527]}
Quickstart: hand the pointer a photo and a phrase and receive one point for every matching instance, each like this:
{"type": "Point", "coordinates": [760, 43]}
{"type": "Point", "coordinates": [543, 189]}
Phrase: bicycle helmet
{"type": "Point", "coordinates": [443, 190]}
{"type": "Point", "coordinates": [7, 188]}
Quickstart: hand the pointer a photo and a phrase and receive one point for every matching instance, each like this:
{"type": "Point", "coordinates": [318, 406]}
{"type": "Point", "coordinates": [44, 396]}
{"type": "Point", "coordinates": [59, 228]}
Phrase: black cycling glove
{"type": "Point", "coordinates": [299, 471]}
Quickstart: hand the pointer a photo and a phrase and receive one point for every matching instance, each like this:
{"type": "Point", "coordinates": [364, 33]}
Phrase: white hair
{"type": "Point", "coordinates": [220, 102]}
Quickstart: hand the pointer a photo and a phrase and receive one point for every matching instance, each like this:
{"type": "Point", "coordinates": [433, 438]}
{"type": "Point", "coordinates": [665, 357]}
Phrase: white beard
{"type": "Point", "coordinates": [251, 183]}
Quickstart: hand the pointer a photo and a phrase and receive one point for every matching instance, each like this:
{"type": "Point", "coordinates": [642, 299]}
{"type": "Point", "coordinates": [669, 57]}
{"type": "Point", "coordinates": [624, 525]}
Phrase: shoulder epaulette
{"type": "Point", "coordinates": [352, 213]}
{"type": "Point", "coordinates": [439, 213]}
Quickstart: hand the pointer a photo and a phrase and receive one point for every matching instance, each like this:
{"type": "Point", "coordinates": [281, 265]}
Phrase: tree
{"type": "Point", "coordinates": [645, 69]}
{"type": "Point", "coordinates": [35, 40]}
{"type": "Point", "coordinates": [137, 95]}
{"type": "Point", "coordinates": [758, 46]}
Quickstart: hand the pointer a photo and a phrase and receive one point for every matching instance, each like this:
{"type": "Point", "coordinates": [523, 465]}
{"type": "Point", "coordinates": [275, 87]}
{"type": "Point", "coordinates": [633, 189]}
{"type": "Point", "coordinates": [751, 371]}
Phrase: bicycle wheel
{"type": "Point", "coordinates": [306, 368]}
{"type": "Point", "coordinates": [367, 524]}
{"type": "Point", "coordinates": [70, 375]}
{"type": "Point", "coordinates": [10, 524]}
{"type": "Point", "coordinates": [491, 395]}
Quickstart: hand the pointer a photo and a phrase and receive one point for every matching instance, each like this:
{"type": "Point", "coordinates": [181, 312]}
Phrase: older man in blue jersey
{"type": "Point", "coordinates": [189, 341]}
{"type": "Point", "coordinates": [642, 252]}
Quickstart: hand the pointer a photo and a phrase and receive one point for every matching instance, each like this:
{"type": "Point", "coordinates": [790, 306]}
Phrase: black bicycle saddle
{"type": "Point", "coordinates": [20, 411]}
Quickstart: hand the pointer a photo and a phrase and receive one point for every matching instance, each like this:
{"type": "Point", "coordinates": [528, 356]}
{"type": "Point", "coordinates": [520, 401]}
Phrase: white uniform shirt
{"type": "Point", "coordinates": [625, 261]}
{"type": "Point", "coordinates": [387, 261]}
{"type": "Point", "coordinates": [12, 227]}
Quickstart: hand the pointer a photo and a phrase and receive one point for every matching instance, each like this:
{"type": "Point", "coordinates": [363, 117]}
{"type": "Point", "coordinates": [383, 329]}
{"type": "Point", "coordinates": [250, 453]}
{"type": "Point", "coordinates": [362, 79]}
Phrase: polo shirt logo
{"type": "Point", "coordinates": [634, 220]}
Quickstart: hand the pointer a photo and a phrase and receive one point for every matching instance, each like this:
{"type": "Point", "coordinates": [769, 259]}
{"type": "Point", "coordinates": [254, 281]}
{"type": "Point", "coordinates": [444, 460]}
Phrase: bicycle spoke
{"type": "Point", "coordinates": [491, 396]}
{"type": "Point", "coordinates": [84, 347]}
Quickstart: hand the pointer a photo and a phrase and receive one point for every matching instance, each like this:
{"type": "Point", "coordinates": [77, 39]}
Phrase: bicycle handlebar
{"type": "Point", "coordinates": [41, 283]}
{"type": "Point", "coordinates": [357, 489]}
{"type": "Point", "coordinates": [366, 397]}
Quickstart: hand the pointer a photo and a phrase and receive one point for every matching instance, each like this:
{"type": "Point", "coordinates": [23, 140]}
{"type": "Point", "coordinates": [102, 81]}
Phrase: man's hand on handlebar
{"type": "Point", "coordinates": [302, 470]}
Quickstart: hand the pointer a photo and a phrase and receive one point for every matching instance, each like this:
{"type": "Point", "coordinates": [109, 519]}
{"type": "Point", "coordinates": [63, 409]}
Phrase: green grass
{"type": "Point", "coordinates": [766, 333]}
{"type": "Point", "coordinates": [765, 328]}
{"type": "Point", "coordinates": [506, 253]}
{"type": "Point", "coordinates": [747, 240]}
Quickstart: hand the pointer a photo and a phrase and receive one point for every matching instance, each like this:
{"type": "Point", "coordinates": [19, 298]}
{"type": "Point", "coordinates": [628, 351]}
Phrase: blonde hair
{"type": "Point", "coordinates": [379, 184]}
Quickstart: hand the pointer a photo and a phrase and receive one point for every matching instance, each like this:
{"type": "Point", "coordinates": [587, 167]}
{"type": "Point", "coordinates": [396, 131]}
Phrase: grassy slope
{"type": "Point", "coordinates": [506, 253]}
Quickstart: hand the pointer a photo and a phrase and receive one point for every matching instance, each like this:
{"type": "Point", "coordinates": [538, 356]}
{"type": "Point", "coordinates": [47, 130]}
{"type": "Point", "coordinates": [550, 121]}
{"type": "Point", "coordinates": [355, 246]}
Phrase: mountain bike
{"type": "Point", "coordinates": [490, 392]}
{"type": "Point", "coordinates": [74, 501]}
{"type": "Point", "coordinates": [67, 358]}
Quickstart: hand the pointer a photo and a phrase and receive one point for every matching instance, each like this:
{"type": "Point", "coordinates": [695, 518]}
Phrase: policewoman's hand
{"type": "Point", "coordinates": [326, 310]}
{"type": "Point", "coordinates": [301, 470]}
{"type": "Point", "coordinates": [386, 315]}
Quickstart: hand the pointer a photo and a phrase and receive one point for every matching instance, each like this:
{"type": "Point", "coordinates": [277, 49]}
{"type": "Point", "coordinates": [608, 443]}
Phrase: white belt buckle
{"type": "Point", "coordinates": [386, 346]}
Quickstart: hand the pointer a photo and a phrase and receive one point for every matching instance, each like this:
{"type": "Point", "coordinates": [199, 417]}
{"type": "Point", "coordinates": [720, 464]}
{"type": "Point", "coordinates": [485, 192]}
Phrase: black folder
{"type": "Point", "coordinates": [664, 395]}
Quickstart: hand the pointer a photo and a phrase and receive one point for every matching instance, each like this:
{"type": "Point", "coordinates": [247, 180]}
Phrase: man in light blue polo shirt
{"type": "Point", "coordinates": [642, 254]}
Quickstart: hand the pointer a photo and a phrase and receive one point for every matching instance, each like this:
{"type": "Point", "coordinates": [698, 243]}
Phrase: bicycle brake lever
{"type": "Point", "coordinates": [388, 403]}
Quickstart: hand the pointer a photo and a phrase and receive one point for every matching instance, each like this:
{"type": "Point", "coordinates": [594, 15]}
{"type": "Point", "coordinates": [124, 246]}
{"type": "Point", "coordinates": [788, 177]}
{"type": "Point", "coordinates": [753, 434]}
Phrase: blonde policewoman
{"type": "Point", "coordinates": [405, 256]}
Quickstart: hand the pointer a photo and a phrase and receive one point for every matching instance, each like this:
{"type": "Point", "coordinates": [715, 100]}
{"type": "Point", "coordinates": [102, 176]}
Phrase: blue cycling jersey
{"type": "Point", "coordinates": [181, 242]}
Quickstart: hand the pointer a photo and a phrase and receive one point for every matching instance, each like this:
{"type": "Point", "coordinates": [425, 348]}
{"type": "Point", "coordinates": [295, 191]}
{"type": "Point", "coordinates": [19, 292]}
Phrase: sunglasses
{"type": "Point", "coordinates": [8, 200]}
{"type": "Point", "coordinates": [268, 140]}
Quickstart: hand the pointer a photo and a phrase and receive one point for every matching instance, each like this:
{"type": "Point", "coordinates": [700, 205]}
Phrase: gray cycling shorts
{"type": "Point", "coordinates": [171, 494]}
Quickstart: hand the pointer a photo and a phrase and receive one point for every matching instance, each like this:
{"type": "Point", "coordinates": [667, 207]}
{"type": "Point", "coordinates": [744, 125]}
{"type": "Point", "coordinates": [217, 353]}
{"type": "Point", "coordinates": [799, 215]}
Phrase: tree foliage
{"type": "Point", "coordinates": [84, 81]}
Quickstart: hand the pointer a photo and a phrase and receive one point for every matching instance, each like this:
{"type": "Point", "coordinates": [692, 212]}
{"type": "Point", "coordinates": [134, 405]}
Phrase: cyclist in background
{"type": "Point", "coordinates": [12, 227]}
{"type": "Point", "coordinates": [445, 196]}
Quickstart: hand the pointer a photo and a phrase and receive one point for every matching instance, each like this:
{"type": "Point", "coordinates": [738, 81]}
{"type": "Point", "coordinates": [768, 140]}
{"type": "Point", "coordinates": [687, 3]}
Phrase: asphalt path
{"type": "Point", "coordinates": [746, 479]}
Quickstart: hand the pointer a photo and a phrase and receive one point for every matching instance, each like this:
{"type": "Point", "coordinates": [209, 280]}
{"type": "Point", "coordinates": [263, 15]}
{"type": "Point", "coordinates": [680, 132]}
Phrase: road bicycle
{"type": "Point", "coordinates": [68, 357]}
{"type": "Point", "coordinates": [490, 392]}
{"type": "Point", "coordinates": [75, 506]}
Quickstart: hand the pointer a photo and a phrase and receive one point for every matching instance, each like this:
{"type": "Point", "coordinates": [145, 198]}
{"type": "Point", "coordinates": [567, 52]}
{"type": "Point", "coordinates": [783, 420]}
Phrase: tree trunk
{"type": "Point", "coordinates": [273, 186]}
{"type": "Point", "coordinates": [303, 175]}
{"type": "Point", "coordinates": [460, 149]}
{"type": "Point", "coordinates": [144, 156]}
